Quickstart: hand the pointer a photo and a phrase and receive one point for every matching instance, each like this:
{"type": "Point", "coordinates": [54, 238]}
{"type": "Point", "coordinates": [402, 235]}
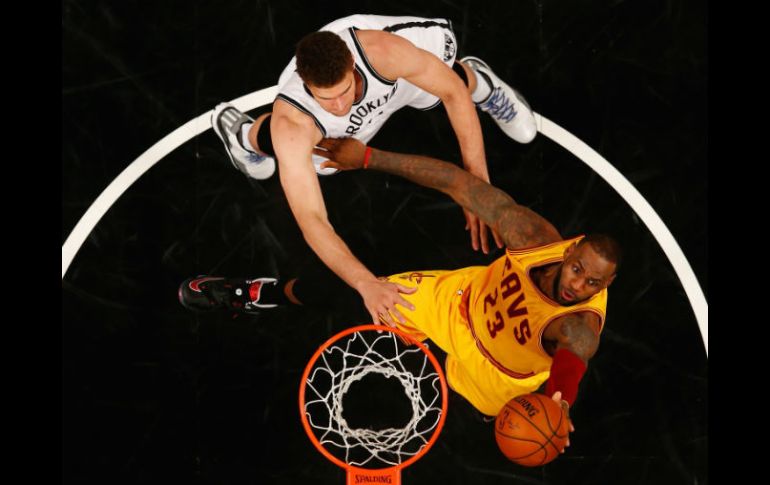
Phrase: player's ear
{"type": "Point", "coordinates": [570, 249]}
{"type": "Point", "coordinates": [611, 279]}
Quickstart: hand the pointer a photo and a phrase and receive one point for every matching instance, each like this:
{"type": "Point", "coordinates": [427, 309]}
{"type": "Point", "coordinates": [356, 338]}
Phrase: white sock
{"type": "Point", "coordinates": [483, 89]}
{"type": "Point", "coordinates": [245, 137]}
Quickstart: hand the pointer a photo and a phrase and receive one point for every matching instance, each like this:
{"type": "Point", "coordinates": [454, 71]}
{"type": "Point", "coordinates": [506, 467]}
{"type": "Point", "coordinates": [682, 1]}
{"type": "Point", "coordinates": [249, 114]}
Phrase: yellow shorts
{"type": "Point", "coordinates": [438, 317]}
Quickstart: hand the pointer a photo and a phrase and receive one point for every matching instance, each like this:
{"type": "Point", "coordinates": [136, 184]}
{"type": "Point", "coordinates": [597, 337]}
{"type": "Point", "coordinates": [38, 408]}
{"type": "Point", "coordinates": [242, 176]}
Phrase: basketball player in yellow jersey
{"type": "Point", "coordinates": [534, 314]}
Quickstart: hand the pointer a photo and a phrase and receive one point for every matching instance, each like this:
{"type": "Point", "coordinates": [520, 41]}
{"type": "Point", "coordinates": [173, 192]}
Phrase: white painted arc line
{"type": "Point", "coordinates": [138, 167]}
{"type": "Point", "coordinates": [260, 98]}
{"type": "Point", "coordinates": [642, 208]}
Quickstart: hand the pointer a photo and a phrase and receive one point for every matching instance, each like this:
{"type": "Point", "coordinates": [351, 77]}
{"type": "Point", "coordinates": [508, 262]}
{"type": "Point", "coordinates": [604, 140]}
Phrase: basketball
{"type": "Point", "coordinates": [531, 430]}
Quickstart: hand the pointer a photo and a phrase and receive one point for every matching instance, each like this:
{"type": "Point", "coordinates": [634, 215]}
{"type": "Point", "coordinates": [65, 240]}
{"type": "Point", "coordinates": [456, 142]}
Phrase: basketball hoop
{"type": "Point", "coordinates": [369, 455]}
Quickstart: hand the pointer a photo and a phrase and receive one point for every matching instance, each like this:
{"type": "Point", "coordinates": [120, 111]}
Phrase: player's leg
{"type": "Point", "coordinates": [317, 287]}
{"type": "Point", "coordinates": [507, 107]}
{"type": "Point", "coordinates": [245, 140]}
{"type": "Point", "coordinates": [504, 104]}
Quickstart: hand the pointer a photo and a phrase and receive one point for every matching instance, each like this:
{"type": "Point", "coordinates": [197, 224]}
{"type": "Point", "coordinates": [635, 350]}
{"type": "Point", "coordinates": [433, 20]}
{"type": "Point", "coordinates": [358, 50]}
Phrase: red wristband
{"type": "Point", "coordinates": [367, 155]}
{"type": "Point", "coordinates": [567, 370]}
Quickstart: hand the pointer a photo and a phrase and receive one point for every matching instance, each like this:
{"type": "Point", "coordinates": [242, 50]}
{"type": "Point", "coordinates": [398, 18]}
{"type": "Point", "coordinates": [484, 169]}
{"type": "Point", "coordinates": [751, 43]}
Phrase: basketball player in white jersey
{"type": "Point", "coordinates": [345, 81]}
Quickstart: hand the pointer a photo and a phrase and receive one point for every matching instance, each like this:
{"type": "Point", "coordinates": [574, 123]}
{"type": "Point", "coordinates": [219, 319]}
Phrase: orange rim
{"type": "Point", "coordinates": [405, 336]}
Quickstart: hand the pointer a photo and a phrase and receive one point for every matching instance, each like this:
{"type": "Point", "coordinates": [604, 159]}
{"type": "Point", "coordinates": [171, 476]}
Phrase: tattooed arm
{"type": "Point", "coordinates": [571, 340]}
{"type": "Point", "coordinates": [576, 332]}
{"type": "Point", "coordinates": [517, 225]}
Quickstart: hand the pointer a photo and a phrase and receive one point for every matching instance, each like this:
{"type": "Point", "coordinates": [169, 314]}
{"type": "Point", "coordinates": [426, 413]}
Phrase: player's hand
{"type": "Point", "coordinates": [381, 298]}
{"type": "Point", "coordinates": [478, 232]}
{"type": "Point", "coordinates": [343, 153]}
{"type": "Point", "coordinates": [565, 405]}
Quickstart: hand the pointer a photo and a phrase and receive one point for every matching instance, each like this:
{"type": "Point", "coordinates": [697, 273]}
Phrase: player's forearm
{"type": "Point", "coordinates": [465, 122]}
{"type": "Point", "coordinates": [333, 251]}
{"type": "Point", "coordinates": [518, 226]}
{"type": "Point", "coordinates": [466, 189]}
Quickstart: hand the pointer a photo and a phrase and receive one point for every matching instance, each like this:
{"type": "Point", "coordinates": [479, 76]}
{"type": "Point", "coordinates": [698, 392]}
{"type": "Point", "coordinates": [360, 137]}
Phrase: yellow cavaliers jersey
{"type": "Point", "coordinates": [508, 313]}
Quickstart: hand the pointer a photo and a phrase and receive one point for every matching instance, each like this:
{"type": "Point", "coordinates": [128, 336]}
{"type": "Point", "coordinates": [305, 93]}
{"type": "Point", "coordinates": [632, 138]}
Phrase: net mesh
{"type": "Point", "coordinates": [353, 358]}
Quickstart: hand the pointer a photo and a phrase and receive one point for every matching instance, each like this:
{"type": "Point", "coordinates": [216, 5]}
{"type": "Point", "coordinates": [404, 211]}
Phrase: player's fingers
{"type": "Point", "coordinates": [331, 164]}
{"type": "Point", "coordinates": [328, 143]}
{"type": "Point", "coordinates": [377, 319]}
{"type": "Point", "coordinates": [401, 301]}
{"type": "Point", "coordinates": [474, 235]}
{"type": "Point", "coordinates": [387, 319]}
{"type": "Point", "coordinates": [498, 239]}
{"type": "Point", "coordinates": [398, 315]}
{"type": "Point", "coordinates": [406, 289]}
{"type": "Point", "coordinates": [483, 237]}
{"type": "Point", "coordinates": [321, 152]}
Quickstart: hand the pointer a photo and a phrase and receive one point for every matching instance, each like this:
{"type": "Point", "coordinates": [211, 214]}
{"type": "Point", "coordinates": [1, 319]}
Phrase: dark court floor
{"type": "Point", "coordinates": [152, 393]}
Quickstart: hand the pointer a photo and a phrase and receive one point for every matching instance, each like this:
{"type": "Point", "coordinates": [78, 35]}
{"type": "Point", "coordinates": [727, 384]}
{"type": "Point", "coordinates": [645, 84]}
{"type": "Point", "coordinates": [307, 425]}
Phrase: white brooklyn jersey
{"type": "Point", "coordinates": [380, 97]}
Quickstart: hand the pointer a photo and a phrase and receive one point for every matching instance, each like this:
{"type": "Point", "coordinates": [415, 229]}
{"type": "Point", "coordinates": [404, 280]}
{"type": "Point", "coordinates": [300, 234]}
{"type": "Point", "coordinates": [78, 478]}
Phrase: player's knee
{"type": "Point", "coordinates": [460, 70]}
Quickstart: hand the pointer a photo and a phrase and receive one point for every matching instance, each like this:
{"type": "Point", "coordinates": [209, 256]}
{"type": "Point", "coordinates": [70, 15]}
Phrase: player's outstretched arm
{"type": "Point", "coordinates": [519, 226]}
{"type": "Point", "coordinates": [395, 57]}
{"type": "Point", "coordinates": [575, 342]}
{"type": "Point", "coordinates": [293, 140]}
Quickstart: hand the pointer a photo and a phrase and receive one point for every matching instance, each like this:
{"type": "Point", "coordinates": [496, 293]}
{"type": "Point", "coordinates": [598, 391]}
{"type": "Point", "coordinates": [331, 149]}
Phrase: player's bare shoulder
{"type": "Point", "coordinates": [579, 332]}
{"type": "Point", "coordinates": [289, 122]}
{"type": "Point", "coordinates": [286, 112]}
{"type": "Point", "coordinates": [390, 55]}
{"type": "Point", "coordinates": [378, 42]}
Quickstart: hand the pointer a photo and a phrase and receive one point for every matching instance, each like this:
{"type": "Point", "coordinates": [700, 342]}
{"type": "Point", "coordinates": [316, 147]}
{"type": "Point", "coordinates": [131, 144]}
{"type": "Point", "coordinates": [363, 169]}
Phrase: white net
{"type": "Point", "coordinates": [350, 360]}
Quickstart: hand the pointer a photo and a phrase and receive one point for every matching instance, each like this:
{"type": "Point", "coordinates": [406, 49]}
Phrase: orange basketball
{"type": "Point", "coordinates": [532, 429]}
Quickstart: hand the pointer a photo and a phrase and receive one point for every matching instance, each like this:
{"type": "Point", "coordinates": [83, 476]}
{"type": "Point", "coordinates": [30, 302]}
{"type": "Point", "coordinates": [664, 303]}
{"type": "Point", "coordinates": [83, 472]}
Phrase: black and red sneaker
{"type": "Point", "coordinates": [206, 293]}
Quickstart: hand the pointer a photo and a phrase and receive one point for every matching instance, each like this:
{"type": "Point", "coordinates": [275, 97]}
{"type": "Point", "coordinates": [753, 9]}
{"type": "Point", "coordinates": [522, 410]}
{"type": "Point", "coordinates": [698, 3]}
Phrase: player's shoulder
{"type": "Point", "coordinates": [289, 123]}
{"type": "Point", "coordinates": [378, 43]}
{"type": "Point", "coordinates": [576, 332]}
{"type": "Point", "coordinates": [288, 115]}
{"type": "Point", "coordinates": [376, 37]}
{"type": "Point", "coordinates": [582, 318]}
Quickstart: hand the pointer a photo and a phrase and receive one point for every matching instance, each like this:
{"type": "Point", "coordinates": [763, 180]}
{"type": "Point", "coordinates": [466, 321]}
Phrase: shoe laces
{"type": "Point", "coordinates": [253, 157]}
{"type": "Point", "coordinates": [499, 106]}
{"type": "Point", "coordinates": [250, 156]}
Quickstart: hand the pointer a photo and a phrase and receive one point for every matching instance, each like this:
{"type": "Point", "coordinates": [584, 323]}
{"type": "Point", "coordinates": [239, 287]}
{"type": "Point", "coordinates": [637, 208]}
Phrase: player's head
{"type": "Point", "coordinates": [325, 65]}
{"type": "Point", "coordinates": [589, 267]}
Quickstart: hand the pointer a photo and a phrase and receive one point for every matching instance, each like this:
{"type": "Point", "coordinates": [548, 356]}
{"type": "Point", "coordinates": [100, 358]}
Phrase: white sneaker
{"type": "Point", "coordinates": [505, 105]}
{"type": "Point", "coordinates": [227, 122]}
